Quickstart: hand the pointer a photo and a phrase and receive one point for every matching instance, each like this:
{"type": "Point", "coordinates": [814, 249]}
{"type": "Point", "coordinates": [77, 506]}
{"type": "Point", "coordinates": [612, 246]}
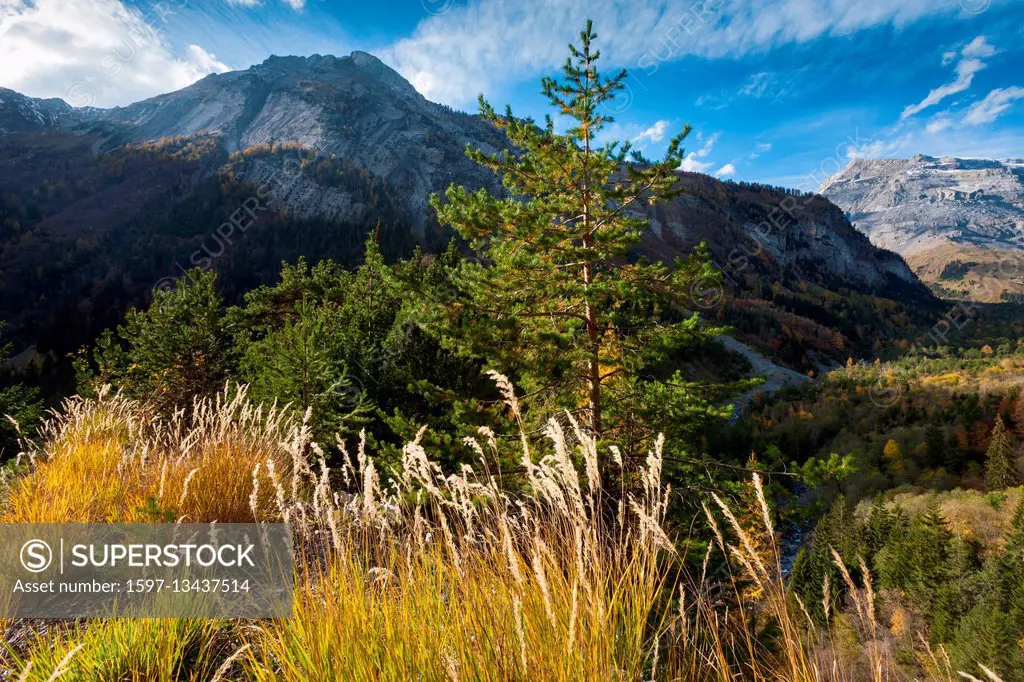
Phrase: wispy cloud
{"type": "Point", "coordinates": [758, 85]}
{"type": "Point", "coordinates": [770, 85]}
{"type": "Point", "coordinates": [713, 101]}
{"type": "Point", "coordinates": [979, 48]}
{"type": "Point", "coordinates": [759, 149]}
{"type": "Point", "coordinates": [726, 171]}
{"type": "Point", "coordinates": [474, 47]}
{"type": "Point", "coordinates": [888, 146]}
{"type": "Point", "coordinates": [763, 85]}
{"type": "Point", "coordinates": [938, 124]}
{"type": "Point", "coordinates": [969, 64]}
{"type": "Point", "coordinates": [994, 104]}
{"type": "Point", "coordinates": [692, 162]}
{"type": "Point", "coordinates": [984, 111]}
{"type": "Point", "coordinates": [294, 4]}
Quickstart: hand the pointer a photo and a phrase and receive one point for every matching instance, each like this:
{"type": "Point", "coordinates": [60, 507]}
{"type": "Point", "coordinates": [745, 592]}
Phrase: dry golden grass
{"type": "Point", "coordinates": [108, 460]}
{"type": "Point", "coordinates": [437, 576]}
{"type": "Point", "coordinates": [994, 271]}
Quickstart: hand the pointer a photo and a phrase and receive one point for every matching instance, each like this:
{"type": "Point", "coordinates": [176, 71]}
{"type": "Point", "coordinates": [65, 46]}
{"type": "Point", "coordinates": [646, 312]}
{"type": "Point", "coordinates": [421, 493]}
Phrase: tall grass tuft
{"type": "Point", "coordinates": [139, 650]}
{"type": "Point", "coordinates": [450, 576]}
{"type": "Point", "coordinates": [435, 575]}
{"type": "Point", "coordinates": [110, 459]}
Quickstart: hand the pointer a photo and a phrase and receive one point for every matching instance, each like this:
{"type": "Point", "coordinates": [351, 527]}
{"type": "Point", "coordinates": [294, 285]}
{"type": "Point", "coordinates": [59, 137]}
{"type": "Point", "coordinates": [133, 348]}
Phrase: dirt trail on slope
{"type": "Point", "coordinates": [775, 376]}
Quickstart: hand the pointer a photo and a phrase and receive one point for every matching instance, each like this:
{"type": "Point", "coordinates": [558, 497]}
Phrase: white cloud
{"type": "Point", "coordinates": [969, 64]}
{"type": "Point", "coordinates": [938, 124]}
{"type": "Point", "coordinates": [759, 149]}
{"type": "Point", "coordinates": [708, 145]}
{"type": "Point", "coordinates": [764, 85]}
{"type": "Point", "coordinates": [98, 52]}
{"type": "Point", "coordinates": [475, 47]}
{"type": "Point", "coordinates": [294, 4]}
{"type": "Point", "coordinates": [692, 161]}
{"type": "Point", "coordinates": [204, 62]}
{"type": "Point", "coordinates": [726, 170]}
{"type": "Point", "coordinates": [987, 110]}
{"type": "Point", "coordinates": [771, 85]}
{"type": "Point", "coordinates": [758, 85]}
{"type": "Point", "coordinates": [994, 104]}
{"type": "Point", "coordinates": [656, 133]}
{"type": "Point", "coordinates": [888, 146]}
{"type": "Point", "coordinates": [692, 164]}
{"type": "Point", "coordinates": [979, 48]}
{"type": "Point", "coordinates": [948, 57]}
{"type": "Point", "coordinates": [713, 101]}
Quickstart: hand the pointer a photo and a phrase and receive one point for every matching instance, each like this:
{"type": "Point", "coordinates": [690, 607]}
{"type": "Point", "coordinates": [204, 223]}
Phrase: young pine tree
{"type": "Point", "coordinates": [558, 299]}
{"type": "Point", "coordinates": [301, 363]}
{"type": "Point", "coordinates": [175, 350]}
{"type": "Point", "coordinates": [815, 565]}
{"type": "Point", "coordinates": [895, 561]}
{"type": "Point", "coordinates": [19, 403]}
{"type": "Point", "coordinates": [986, 637]}
{"type": "Point", "coordinates": [877, 526]}
{"type": "Point", "coordinates": [1012, 568]}
{"type": "Point", "coordinates": [929, 545]}
{"type": "Point", "coordinates": [1000, 470]}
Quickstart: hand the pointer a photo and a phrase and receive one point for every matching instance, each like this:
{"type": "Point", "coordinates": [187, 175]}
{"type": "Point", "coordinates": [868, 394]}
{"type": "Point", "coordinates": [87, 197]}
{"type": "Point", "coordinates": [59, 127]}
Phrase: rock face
{"type": "Point", "coordinates": [132, 193]}
{"type": "Point", "coordinates": [354, 107]}
{"type": "Point", "coordinates": [752, 227]}
{"type": "Point", "coordinates": [955, 220]}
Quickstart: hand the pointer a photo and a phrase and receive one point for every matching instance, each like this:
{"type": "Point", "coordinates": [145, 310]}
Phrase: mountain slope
{"type": "Point", "coordinates": [958, 222]}
{"type": "Point", "coordinates": [354, 107]}
{"type": "Point", "coordinates": [19, 113]}
{"type": "Point", "coordinates": [97, 206]}
{"type": "Point", "coordinates": [772, 231]}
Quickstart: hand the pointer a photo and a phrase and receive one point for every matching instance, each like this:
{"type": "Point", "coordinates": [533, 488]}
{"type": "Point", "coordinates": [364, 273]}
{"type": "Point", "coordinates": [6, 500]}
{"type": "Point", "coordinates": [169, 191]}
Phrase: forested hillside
{"type": "Point", "coordinates": [555, 411]}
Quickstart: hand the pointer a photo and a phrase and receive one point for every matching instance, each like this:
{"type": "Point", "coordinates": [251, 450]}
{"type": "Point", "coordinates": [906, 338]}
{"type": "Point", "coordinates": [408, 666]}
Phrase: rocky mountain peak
{"type": "Point", "coordinates": [19, 113]}
{"type": "Point", "coordinates": [938, 211]}
{"type": "Point", "coordinates": [378, 69]}
{"type": "Point", "coordinates": [318, 67]}
{"type": "Point", "coordinates": [379, 146]}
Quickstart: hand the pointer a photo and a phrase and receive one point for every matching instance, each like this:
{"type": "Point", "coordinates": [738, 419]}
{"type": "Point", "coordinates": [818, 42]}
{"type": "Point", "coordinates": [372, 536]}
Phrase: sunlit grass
{"type": "Point", "coordinates": [108, 461]}
{"type": "Point", "coordinates": [436, 576]}
{"type": "Point", "coordinates": [422, 616]}
{"type": "Point", "coordinates": [132, 650]}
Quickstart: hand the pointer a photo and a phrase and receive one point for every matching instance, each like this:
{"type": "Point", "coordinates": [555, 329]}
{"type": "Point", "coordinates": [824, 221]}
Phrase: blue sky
{"type": "Point", "coordinates": [778, 91]}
